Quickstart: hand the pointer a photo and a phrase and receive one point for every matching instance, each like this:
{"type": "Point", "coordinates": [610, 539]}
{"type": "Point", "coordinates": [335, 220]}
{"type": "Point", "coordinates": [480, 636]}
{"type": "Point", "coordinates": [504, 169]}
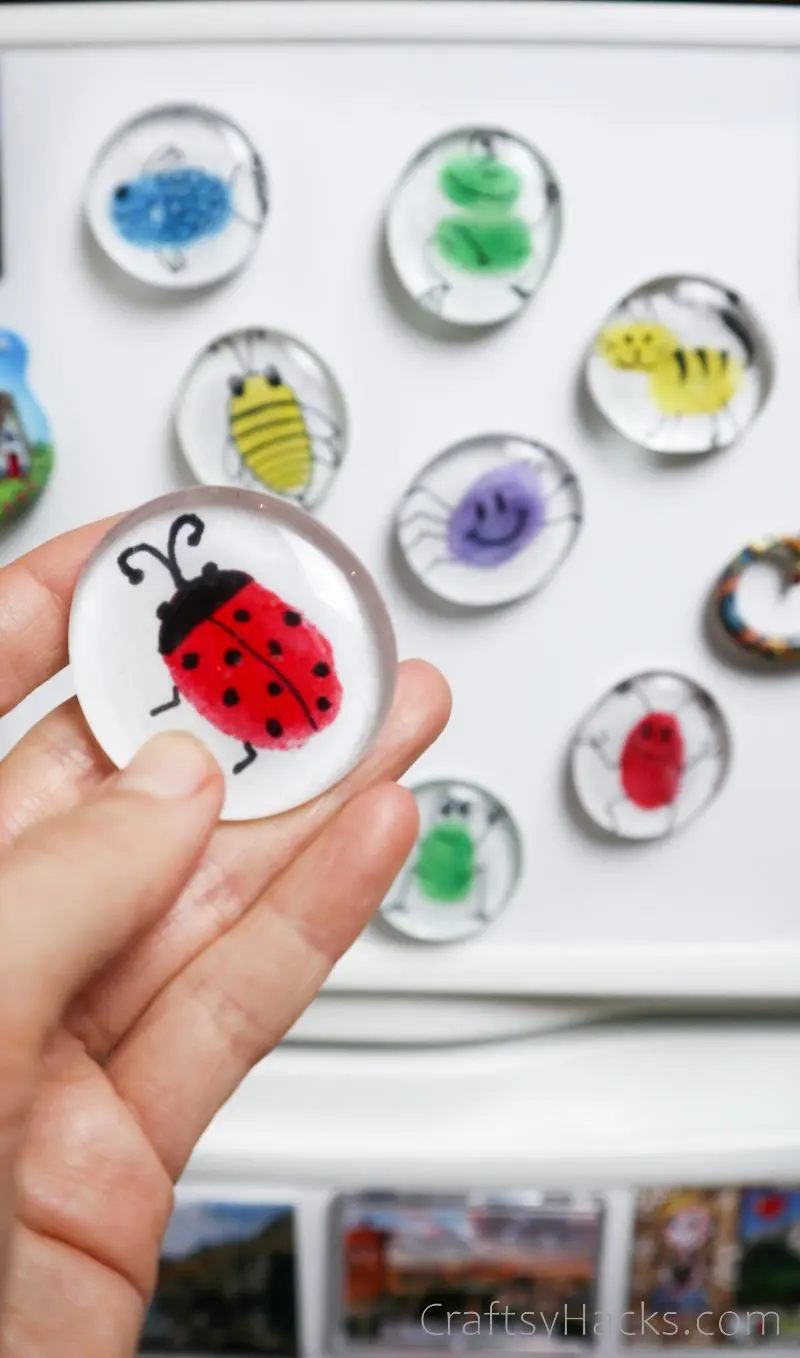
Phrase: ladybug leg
{"type": "Point", "coordinates": [245, 763]}
{"type": "Point", "coordinates": [166, 707]}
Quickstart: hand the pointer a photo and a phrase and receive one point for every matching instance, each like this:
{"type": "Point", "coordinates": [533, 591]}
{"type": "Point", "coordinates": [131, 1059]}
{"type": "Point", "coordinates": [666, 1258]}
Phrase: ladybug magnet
{"type": "Point", "coordinates": [651, 756]}
{"type": "Point", "coordinates": [249, 625]}
{"type": "Point", "coordinates": [464, 868]}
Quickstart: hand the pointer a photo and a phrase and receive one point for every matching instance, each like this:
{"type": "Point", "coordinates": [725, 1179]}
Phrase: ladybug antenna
{"type": "Point", "coordinates": [197, 529]}
{"type": "Point", "coordinates": [136, 576]}
{"type": "Point", "coordinates": [133, 573]}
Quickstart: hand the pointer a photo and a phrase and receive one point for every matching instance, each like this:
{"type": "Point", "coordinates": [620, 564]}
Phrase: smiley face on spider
{"type": "Point", "coordinates": [496, 518]}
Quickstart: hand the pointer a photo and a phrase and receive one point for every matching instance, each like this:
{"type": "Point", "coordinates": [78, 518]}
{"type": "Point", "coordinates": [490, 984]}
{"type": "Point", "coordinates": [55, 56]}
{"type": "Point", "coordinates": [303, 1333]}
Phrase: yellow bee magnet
{"type": "Point", "coordinates": [680, 366]}
{"type": "Point", "coordinates": [260, 409]}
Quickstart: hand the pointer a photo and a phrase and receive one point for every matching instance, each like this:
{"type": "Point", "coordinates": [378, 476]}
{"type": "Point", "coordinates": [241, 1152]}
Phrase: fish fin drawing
{"type": "Point", "coordinates": [165, 158]}
{"type": "Point", "coordinates": [172, 259]}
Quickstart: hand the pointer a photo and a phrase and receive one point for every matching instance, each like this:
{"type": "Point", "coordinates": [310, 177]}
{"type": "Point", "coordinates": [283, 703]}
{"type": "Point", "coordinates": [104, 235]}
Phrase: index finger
{"type": "Point", "coordinates": [35, 595]}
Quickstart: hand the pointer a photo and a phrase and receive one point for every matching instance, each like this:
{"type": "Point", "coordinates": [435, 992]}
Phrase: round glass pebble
{"type": "Point", "coordinates": [650, 756]}
{"type": "Point", "coordinates": [26, 443]}
{"type": "Point", "coordinates": [464, 868]}
{"type": "Point", "coordinates": [177, 197]}
{"type": "Point", "coordinates": [237, 617]}
{"type": "Point", "coordinates": [681, 365]}
{"type": "Point", "coordinates": [259, 409]}
{"type": "Point", "coordinates": [474, 225]}
{"type": "Point", "coordinates": [490, 520]}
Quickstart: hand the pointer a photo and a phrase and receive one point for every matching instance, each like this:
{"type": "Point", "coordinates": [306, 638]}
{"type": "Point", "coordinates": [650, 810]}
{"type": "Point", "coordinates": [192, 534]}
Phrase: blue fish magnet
{"type": "Point", "coordinates": [178, 197]}
{"type": "Point", "coordinates": [26, 443]}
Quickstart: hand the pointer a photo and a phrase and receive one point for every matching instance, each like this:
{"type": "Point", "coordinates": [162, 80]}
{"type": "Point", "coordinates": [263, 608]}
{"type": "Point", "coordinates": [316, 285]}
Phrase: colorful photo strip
{"type": "Point", "coordinates": [455, 1272]}
{"type": "Point", "coordinates": [716, 1266]}
{"type": "Point", "coordinates": [227, 1282]}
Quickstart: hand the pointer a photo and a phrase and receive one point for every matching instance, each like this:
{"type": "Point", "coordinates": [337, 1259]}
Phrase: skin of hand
{"type": "Point", "coordinates": [149, 957]}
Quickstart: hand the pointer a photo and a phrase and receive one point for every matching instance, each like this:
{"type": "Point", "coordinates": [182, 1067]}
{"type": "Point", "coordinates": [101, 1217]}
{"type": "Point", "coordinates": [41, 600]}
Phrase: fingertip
{"type": "Point", "coordinates": [172, 765]}
{"type": "Point", "coordinates": [393, 813]}
{"type": "Point", "coordinates": [427, 688]}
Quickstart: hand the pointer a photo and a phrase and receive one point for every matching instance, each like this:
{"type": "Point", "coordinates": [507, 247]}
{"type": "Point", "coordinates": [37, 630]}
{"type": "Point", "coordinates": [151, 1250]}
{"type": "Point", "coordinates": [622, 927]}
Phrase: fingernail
{"type": "Point", "coordinates": [171, 765]}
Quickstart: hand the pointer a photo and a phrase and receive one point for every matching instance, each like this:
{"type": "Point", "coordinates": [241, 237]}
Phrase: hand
{"type": "Point", "coordinates": [148, 958]}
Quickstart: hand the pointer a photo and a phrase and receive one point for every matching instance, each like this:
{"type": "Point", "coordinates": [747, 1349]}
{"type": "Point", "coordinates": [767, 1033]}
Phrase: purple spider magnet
{"type": "Point", "coordinates": [490, 520]}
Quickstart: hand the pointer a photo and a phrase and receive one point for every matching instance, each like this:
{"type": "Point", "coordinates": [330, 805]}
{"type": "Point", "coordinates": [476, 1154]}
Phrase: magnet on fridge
{"type": "Point", "coordinates": [490, 520]}
{"type": "Point", "coordinates": [651, 756]}
{"type": "Point", "coordinates": [464, 868]}
{"type": "Point", "coordinates": [251, 626]}
{"type": "Point", "coordinates": [260, 409]}
{"type": "Point", "coordinates": [474, 225]}
{"type": "Point", "coordinates": [680, 366]}
{"type": "Point", "coordinates": [783, 552]}
{"type": "Point", "coordinates": [227, 1281]}
{"type": "Point", "coordinates": [177, 197]}
{"type": "Point", "coordinates": [26, 443]}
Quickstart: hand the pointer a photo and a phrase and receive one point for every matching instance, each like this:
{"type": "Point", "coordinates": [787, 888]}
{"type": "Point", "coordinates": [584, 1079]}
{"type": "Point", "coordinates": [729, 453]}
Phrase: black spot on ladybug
{"type": "Point", "coordinates": [230, 697]}
{"type": "Point", "coordinates": [232, 657]}
{"type": "Point", "coordinates": [242, 615]}
{"type": "Point", "coordinates": [190, 660]}
{"type": "Point", "coordinates": [322, 670]}
{"type": "Point", "coordinates": [274, 688]}
{"type": "Point", "coordinates": [274, 648]}
{"type": "Point", "coordinates": [273, 728]}
{"type": "Point", "coordinates": [323, 704]}
{"type": "Point", "coordinates": [291, 618]}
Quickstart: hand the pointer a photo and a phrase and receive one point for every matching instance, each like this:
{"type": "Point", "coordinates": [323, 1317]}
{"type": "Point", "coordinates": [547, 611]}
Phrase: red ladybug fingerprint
{"type": "Point", "coordinates": [258, 671]}
{"type": "Point", "coordinates": [651, 765]}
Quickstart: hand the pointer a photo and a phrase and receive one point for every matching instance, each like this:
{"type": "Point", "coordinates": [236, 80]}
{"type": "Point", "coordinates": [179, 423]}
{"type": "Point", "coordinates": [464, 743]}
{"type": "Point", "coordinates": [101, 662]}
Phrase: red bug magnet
{"type": "Point", "coordinates": [651, 756]}
{"type": "Point", "coordinates": [249, 625]}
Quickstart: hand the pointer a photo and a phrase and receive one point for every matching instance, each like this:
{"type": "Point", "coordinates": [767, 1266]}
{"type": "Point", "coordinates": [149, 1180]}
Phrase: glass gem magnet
{"type": "Point", "coordinates": [261, 410]}
{"type": "Point", "coordinates": [26, 443]}
{"type": "Point", "coordinates": [464, 867]}
{"type": "Point", "coordinates": [490, 520]}
{"type": "Point", "coordinates": [774, 645]}
{"type": "Point", "coordinates": [681, 365]}
{"type": "Point", "coordinates": [650, 756]}
{"type": "Point", "coordinates": [473, 226]}
{"type": "Point", "coordinates": [177, 197]}
{"type": "Point", "coordinates": [237, 617]}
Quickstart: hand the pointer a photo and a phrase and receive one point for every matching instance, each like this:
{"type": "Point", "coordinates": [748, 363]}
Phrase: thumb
{"type": "Point", "coordinates": [76, 889]}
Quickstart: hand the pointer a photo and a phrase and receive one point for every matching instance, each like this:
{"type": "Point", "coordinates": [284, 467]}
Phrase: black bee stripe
{"type": "Point", "coordinates": [724, 360]}
{"type": "Point", "coordinates": [683, 366]}
{"type": "Point", "coordinates": [263, 405]}
{"type": "Point", "coordinates": [267, 425]}
{"type": "Point", "coordinates": [702, 355]}
{"type": "Point", "coordinates": [299, 436]}
{"type": "Point", "coordinates": [295, 692]}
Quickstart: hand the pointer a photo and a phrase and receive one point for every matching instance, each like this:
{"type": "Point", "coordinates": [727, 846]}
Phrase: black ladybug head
{"type": "Point", "coordinates": [194, 600]}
